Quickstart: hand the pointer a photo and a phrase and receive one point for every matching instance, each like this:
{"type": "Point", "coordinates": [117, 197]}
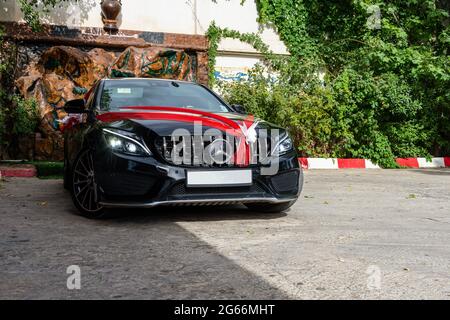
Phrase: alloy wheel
{"type": "Point", "coordinates": [85, 190]}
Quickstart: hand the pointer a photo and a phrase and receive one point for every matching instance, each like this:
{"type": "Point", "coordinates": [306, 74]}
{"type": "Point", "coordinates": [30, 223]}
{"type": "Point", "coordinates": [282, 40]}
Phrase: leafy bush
{"type": "Point", "coordinates": [18, 116]}
{"type": "Point", "coordinates": [49, 169]}
{"type": "Point", "coordinates": [24, 116]}
{"type": "Point", "coordinates": [356, 115]}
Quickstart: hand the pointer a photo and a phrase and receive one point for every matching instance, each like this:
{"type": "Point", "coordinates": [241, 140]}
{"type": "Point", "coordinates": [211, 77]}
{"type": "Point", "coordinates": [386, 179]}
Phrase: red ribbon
{"type": "Point", "coordinates": [242, 156]}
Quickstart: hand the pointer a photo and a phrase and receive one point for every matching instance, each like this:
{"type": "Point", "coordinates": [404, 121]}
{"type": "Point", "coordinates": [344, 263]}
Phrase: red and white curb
{"type": "Point", "coordinates": [26, 171]}
{"type": "Point", "coordinates": [335, 163]}
{"type": "Point", "coordinates": [21, 171]}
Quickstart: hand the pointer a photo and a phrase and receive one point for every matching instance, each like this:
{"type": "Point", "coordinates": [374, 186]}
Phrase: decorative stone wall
{"type": "Point", "coordinates": [62, 64]}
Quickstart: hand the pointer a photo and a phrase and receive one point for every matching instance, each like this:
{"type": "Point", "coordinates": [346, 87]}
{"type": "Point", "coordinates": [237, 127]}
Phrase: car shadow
{"type": "Point", "coordinates": [142, 254]}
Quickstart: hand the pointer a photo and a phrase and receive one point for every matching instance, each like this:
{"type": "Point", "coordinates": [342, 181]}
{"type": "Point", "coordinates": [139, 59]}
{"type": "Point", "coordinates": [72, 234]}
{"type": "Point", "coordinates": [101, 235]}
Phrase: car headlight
{"type": "Point", "coordinates": [122, 143]}
{"type": "Point", "coordinates": [284, 145]}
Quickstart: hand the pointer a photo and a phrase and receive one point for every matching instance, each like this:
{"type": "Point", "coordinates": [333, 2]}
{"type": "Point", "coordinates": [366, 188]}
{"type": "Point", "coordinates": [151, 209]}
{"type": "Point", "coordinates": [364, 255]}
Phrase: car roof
{"type": "Point", "coordinates": [147, 79]}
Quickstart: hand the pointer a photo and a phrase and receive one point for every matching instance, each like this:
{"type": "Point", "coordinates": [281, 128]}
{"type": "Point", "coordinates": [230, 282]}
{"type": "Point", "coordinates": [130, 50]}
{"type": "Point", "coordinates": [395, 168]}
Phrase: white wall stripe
{"type": "Point", "coordinates": [371, 165]}
{"type": "Point", "coordinates": [322, 163]}
{"type": "Point", "coordinates": [434, 163]}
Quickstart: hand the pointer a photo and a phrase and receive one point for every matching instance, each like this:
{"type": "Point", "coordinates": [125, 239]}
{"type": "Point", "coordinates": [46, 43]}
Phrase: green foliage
{"type": "Point", "coordinates": [34, 9]}
{"type": "Point", "coordinates": [18, 116]}
{"type": "Point", "coordinates": [329, 121]}
{"type": "Point", "coordinates": [48, 169]}
{"type": "Point", "coordinates": [24, 115]}
{"type": "Point", "coordinates": [384, 90]}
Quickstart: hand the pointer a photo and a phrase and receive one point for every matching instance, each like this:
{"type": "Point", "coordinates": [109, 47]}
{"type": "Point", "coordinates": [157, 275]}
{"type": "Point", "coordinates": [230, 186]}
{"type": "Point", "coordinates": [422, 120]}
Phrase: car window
{"type": "Point", "coordinates": [122, 93]}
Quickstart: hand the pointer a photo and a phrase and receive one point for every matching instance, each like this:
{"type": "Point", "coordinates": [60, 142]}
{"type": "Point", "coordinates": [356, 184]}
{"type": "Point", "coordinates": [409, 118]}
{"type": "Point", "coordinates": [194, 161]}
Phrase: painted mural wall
{"type": "Point", "coordinates": [63, 73]}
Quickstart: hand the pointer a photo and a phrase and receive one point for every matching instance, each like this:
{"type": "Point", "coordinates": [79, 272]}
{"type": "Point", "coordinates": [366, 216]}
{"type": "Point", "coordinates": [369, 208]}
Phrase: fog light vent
{"type": "Point", "coordinates": [285, 182]}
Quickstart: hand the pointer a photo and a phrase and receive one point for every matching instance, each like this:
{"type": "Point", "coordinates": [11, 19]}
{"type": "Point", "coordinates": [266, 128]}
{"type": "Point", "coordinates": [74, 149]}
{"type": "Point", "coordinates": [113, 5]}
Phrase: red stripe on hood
{"type": "Point", "coordinates": [116, 116]}
{"type": "Point", "coordinates": [230, 122]}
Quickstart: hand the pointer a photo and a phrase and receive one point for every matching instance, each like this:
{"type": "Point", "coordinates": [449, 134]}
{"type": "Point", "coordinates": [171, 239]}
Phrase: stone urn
{"type": "Point", "coordinates": [110, 11]}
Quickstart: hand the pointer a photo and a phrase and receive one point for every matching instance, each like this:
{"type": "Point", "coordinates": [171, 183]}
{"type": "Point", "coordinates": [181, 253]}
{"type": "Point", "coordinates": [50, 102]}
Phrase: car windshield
{"type": "Point", "coordinates": [142, 92]}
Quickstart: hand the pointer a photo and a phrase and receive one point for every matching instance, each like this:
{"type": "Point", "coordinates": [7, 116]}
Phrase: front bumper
{"type": "Point", "coordinates": [128, 181]}
{"type": "Point", "coordinates": [194, 202]}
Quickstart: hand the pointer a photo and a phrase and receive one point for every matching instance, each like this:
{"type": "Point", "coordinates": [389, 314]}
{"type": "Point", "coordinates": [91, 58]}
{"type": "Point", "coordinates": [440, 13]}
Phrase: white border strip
{"type": "Point", "coordinates": [371, 165]}
{"type": "Point", "coordinates": [322, 163]}
{"type": "Point", "coordinates": [434, 163]}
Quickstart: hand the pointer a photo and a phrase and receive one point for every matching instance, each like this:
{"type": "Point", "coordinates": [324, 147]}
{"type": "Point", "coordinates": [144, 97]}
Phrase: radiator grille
{"type": "Point", "coordinates": [198, 154]}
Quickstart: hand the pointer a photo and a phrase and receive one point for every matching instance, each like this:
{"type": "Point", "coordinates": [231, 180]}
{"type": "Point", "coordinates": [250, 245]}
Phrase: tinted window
{"type": "Point", "coordinates": [122, 93]}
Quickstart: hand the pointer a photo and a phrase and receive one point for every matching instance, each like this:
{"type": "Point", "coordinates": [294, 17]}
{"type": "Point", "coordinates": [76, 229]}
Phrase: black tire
{"type": "Point", "coordinates": [66, 176]}
{"type": "Point", "coordinates": [269, 207]}
{"type": "Point", "coordinates": [85, 193]}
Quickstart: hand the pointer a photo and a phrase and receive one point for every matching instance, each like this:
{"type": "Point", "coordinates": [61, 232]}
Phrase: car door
{"type": "Point", "coordinates": [75, 135]}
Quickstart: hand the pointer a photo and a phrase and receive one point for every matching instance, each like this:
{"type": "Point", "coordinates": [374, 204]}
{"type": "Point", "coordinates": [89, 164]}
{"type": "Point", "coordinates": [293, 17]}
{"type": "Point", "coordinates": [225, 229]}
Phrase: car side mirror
{"type": "Point", "coordinates": [239, 108]}
{"type": "Point", "coordinates": [75, 106]}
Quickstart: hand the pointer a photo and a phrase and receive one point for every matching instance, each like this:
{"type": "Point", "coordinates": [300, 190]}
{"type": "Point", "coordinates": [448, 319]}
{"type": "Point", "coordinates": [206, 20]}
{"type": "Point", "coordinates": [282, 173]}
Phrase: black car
{"type": "Point", "coordinates": [150, 142]}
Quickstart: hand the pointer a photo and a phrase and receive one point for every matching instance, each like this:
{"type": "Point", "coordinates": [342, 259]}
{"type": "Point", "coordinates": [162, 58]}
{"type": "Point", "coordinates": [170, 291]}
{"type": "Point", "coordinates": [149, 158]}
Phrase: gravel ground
{"type": "Point", "coordinates": [353, 234]}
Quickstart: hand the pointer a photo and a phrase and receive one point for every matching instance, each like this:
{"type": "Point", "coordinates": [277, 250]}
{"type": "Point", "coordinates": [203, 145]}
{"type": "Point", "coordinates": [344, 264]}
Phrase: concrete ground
{"type": "Point", "coordinates": [354, 234]}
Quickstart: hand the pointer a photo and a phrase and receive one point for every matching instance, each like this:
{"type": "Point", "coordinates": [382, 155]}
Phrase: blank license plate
{"type": "Point", "coordinates": [211, 178]}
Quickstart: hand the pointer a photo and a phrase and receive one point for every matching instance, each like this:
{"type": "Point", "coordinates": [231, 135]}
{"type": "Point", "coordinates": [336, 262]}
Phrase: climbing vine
{"type": "Point", "coordinates": [215, 34]}
{"type": "Point", "coordinates": [33, 10]}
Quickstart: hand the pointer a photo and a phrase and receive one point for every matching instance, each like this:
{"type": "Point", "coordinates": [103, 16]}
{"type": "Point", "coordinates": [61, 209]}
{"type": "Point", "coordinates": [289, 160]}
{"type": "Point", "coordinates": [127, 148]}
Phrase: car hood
{"type": "Point", "coordinates": [164, 123]}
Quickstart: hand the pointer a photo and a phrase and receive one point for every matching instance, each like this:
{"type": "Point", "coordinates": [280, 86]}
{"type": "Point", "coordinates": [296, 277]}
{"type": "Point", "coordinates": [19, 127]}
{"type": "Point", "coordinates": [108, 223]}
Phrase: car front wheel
{"type": "Point", "coordinates": [84, 189]}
